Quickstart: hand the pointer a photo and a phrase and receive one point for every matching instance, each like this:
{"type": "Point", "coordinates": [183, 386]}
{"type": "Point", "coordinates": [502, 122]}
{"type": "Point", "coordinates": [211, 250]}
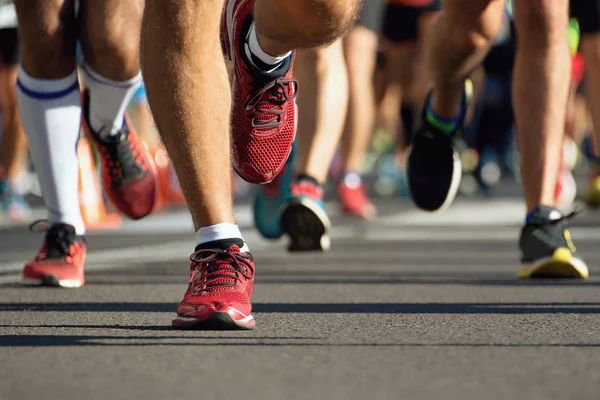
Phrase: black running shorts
{"type": "Point", "coordinates": [371, 16]}
{"type": "Point", "coordinates": [9, 46]}
{"type": "Point", "coordinates": [401, 22]}
{"type": "Point", "coordinates": [587, 12]}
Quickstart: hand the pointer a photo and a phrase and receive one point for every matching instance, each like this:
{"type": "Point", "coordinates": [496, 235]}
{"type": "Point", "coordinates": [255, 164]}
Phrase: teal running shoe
{"type": "Point", "coordinates": [270, 198]}
{"type": "Point", "coordinates": [14, 206]}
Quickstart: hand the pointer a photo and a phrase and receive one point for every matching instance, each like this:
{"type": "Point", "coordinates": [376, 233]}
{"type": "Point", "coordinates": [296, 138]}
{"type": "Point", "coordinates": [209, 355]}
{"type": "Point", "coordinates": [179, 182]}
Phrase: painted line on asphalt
{"type": "Point", "coordinates": [174, 251]}
{"type": "Point", "coordinates": [494, 234]}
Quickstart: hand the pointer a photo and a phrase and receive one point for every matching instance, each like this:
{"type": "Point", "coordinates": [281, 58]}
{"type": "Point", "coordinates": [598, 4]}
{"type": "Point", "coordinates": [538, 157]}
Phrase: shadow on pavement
{"type": "Point", "coordinates": [139, 341]}
{"type": "Point", "coordinates": [365, 280]}
{"type": "Point", "coordinates": [333, 308]}
{"type": "Point", "coordinates": [321, 280]}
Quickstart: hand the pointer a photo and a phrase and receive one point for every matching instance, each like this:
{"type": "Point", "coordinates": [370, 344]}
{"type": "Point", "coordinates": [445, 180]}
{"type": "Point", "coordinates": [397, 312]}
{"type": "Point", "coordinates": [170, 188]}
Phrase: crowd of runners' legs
{"type": "Point", "coordinates": [293, 96]}
{"type": "Point", "coordinates": [53, 108]}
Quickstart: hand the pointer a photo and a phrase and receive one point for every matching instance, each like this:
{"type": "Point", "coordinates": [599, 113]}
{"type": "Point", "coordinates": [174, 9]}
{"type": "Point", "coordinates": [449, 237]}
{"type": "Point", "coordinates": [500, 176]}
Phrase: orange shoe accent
{"type": "Point", "coordinates": [91, 202]}
{"type": "Point", "coordinates": [169, 192]}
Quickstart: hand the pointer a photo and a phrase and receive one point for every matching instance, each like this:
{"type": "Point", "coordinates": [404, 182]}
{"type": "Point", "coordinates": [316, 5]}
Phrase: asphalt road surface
{"type": "Point", "coordinates": [411, 306]}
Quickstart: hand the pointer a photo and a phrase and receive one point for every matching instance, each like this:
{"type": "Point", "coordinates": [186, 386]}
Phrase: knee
{"type": "Point", "coordinates": [321, 58]}
{"type": "Point", "coordinates": [541, 21]}
{"type": "Point", "coordinates": [112, 45]}
{"type": "Point", "coordinates": [333, 18]}
{"type": "Point", "coordinates": [323, 21]}
{"type": "Point", "coordinates": [48, 49]}
{"type": "Point", "coordinates": [117, 60]}
{"type": "Point", "coordinates": [360, 51]}
{"type": "Point", "coordinates": [473, 36]}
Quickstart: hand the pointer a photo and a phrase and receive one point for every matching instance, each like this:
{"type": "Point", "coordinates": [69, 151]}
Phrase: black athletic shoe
{"type": "Point", "coordinates": [434, 168]}
{"type": "Point", "coordinates": [546, 248]}
{"type": "Point", "coordinates": [303, 218]}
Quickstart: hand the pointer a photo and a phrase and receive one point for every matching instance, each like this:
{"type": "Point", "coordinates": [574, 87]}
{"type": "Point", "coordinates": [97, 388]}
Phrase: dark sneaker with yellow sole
{"type": "Point", "coordinates": [547, 251]}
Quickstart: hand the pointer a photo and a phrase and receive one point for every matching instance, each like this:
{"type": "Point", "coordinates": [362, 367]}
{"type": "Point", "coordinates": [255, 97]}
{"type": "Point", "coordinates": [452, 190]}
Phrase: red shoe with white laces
{"type": "Point", "coordinates": [219, 291]}
{"type": "Point", "coordinates": [60, 260]}
{"type": "Point", "coordinates": [353, 198]}
{"type": "Point", "coordinates": [129, 175]}
{"type": "Point", "coordinates": [264, 113]}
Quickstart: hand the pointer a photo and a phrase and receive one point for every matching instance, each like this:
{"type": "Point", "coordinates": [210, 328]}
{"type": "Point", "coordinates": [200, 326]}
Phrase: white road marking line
{"type": "Point", "coordinates": [175, 251]}
{"type": "Point", "coordinates": [494, 234]}
{"type": "Point", "coordinates": [488, 213]}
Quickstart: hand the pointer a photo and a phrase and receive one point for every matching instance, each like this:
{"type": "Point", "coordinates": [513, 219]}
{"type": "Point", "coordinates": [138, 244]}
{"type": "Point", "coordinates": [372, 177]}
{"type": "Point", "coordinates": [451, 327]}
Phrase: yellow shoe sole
{"type": "Point", "coordinates": [562, 265]}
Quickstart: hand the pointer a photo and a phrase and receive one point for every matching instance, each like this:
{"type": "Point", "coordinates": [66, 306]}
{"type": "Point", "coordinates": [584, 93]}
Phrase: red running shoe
{"type": "Point", "coordinates": [129, 176]}
{"type": "Point", "coordinates": [219, 291]}
{"type": "Point", "coordinates": [60, 260]}
{"type": "Point", "coordinates": [353, 198]}
{"type": "Point", "coordinates": [264, 112]}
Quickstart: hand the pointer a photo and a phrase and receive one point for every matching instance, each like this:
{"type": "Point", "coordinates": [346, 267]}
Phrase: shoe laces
{"type": "Point", "coordinates": [308, 189]}
{"type": "Point", "coordinates": [59, 241]}
{"type": "Point", "coordinates": [267, 105]}
{"type": "Point", "coordinates": [122, 156]}
{"type": "Point", "coordinates": [219, 269]}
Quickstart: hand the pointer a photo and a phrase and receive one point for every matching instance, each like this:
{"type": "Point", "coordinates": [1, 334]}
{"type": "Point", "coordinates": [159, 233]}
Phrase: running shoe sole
{"type": "Point", "coordinates": [307, 225]}
{"type": "Point", "coordinates": [52, 281]}
{"type": "Point", "coordinates": [217, 321]}
{"type": "Point", "coordinates": [457, 174]}
{"type": "Point", "coordinates": [562, 265]}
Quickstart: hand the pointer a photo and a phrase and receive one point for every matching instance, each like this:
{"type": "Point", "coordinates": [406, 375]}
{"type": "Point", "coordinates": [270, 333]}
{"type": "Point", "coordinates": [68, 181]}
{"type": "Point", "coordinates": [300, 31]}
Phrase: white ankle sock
{"type": "Point", "coordinates": [219, 232]}
{"type": "Point", "coordinates": [108, 100]}
{"type": "Point", "coordinates": [51, 115]}
{"type": "Point", "coordinates": [252, 47]}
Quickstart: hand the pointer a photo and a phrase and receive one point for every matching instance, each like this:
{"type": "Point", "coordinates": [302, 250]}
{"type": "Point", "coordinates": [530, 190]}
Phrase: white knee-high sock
{"type": "Point", "coordinates": [51, 115]}
{"type": "Point", "coordinates": [108, 100]}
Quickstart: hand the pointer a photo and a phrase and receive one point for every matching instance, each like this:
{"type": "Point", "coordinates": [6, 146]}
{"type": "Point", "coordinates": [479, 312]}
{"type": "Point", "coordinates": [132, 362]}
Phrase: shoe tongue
{"type": "Point", "coordinates": [234, 249]}
{"type": "Point", "coordinates": [223, 275]}
{"type": "Point", "coordinates": [222, 244]}
{"type": "Point", "coordinates": [59, 239]}
{"type": "Point", "coordinates": [68, 229]}
{"type": "Point", "coordinates": [543, 214]}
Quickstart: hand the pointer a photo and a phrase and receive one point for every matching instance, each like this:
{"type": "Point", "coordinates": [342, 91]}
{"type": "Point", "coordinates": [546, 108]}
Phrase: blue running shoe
{"type": "Point", "coordinates": [13, 205]}
{"type": "Point", "coordinates": [270, 198]}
